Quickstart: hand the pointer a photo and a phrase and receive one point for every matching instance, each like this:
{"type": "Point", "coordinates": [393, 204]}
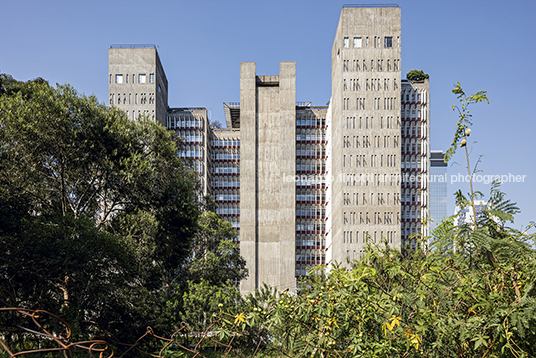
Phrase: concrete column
{"type": "Point", "coordinates": [268, 156]}
{"type": "Point", "coordinates": [248, 174]}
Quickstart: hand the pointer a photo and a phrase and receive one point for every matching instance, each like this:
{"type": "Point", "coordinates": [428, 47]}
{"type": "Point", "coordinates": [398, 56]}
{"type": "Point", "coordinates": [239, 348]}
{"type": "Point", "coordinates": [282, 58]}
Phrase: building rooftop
{"type": "Point", "coordinates": [132, 46]}
{"type": "Point", "coordinates": [232, 114]}
{"type": "Point", "coordinates": [345, 6]}
{"type": "Point", "coordinates": [437, 158]}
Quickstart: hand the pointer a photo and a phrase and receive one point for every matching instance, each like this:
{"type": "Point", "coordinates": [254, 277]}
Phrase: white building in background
{"type": "Point", "coordinates": [466, 216]}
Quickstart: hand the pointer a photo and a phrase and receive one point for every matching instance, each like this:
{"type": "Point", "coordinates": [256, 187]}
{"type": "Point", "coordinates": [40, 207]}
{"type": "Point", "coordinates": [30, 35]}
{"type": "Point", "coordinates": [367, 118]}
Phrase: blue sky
{"type": "Point", "coordinates": [486, 45]}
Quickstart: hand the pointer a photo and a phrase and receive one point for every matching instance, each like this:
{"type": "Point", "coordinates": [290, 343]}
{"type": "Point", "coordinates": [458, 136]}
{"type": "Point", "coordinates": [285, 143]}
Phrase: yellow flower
{"type": "Point", "coordinates": [395, 321]}
{"type": "Point", "coordinates": [414, 339]}
{"type": "Point", "coordinates": [240, 318]}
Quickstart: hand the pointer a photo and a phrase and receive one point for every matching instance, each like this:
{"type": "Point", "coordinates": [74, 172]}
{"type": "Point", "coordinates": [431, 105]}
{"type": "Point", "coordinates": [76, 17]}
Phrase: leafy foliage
{"type": "Point", "coordinates": [416, 75]}
{"type": "Point", "coordinates": [215, 257]}
{"type": "Point", "coordinates": [465, 118]}
{"type": "Point", "coordinates": [208, 277]}
{"type": "Point", "coordinates": [99, 210]}
{"type": "Point", "coordinates": [428, 304]}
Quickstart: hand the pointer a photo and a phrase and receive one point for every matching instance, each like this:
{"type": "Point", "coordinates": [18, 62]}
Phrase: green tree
{"type": "Point", "coordinates": [202, 300]}
{"type": "Point", "coordinates": [472, 295]}
{"type": "Point", "coordinates": [97, 211]}
{"type": "Point", "coordinates": [215, 256]}
{"type": "Point", "coordinates": [425, 304]}
{"type": "Point", "coordinates": [416, 75]}
{"type": "Point", "coordinates": [209, 276]}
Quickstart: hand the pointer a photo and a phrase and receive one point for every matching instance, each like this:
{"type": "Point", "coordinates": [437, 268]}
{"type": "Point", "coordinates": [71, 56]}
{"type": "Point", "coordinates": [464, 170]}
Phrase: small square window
{"type": "Point", "coordinates": [388, 42]}
{"type": "Point", "coordinates": [118, 78]}
{"type": "Point", "coordinates": [357, 41]}
{"type": "Point", "coordinates": [151, 78]}
{"type": "Point", "coordinates": [142, 78]}
{"type": "Point", "coordinates": [346, 42]}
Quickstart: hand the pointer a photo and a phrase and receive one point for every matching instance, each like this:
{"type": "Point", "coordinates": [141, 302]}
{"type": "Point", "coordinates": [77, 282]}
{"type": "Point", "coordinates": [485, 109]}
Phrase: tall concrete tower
{"type": "Point", "coordinates": [364, 131]}
{"type": "Point", "coordinates": [267, 155]}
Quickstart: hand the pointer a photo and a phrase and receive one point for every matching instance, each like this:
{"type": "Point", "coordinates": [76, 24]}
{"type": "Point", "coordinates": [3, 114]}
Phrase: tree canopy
{"type": "Point", "coordinates": [97, 211]}
{"type": "Point", "coordinates": [416, 75]}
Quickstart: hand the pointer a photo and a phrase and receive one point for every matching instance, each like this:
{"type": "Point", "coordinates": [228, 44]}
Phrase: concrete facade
{"type": "Point", "coordinates": [415, 164]}
{"type": "Point", "coordinates": [137, 82]}
{"type": "Point", "coordinates": [307, 185]}
{"type": "Point", "coordinates": [267, 145]}
{"type": "Point", "coordinates": [191, 124]}
{"type": "Point", "coordinates": [365, 132]}
{"type": "Point", "coordinates": [225, 173]}
{"type": "Point", "coordinates": [311, 197]}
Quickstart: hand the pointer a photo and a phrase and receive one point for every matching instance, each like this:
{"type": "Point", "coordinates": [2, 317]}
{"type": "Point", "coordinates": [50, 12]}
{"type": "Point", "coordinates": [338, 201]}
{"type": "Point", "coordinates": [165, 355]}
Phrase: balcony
{"type": "Point", "coordinates": [413, 220]}
{"type": "Point", "coordinates": [300, 201]}
{"type": "Point", "coordinates": [319, 217]}
{"type": "Point", "coordinates": [300, 172]}
{"type": "Point", "coordinates": [310, 247]}
{"type": "Point", "coordinates": [307, 185]}
{"type": "Point", "coordinates": [311, 157]}
{"type": "Point", "coordinates": [311, 232]}
{"type": "Point", "coordinates": [410, 203]}
{"type": "Point", "coordinates": [311, 141]}
{"type": "Point", "coordinates": [226, 185]}
{"type": "Point", "coordinates": [410, 186]}
{"type": "Point", "coordinates": [311, 262]}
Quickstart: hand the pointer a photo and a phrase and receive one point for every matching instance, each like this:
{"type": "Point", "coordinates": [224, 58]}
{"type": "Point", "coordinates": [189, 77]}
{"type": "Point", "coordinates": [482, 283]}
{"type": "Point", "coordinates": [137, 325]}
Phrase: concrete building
{"type": "Point", "coordinates": [307, 185]}
{"type": "Point", "coordinates": [267, 211]}
{"type": "Point", "coordinates": [225, 173]}
{"type": "Point", "coordinates": [438, 188]}
{"type": "Point", "coordinates": [192, 125]}
{"type": "Point", "coordinates": [378, 136]}
{"type": "Point", "coordinates": [415, 152]}
{"type": "Point", "coordinates": [364, 151]}
{"type": "Point", "coordinates": [137, 82]}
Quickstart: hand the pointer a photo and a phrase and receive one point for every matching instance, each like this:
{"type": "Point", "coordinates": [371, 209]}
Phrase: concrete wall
{"type": "Point", "coordinates": [267, 206]}
{"type": "Point", "coordinates": [177, 119]}
{"type": "Point", "coordinates": [353, 120]}
{"type": "Point", "coordinates": [138, 98]}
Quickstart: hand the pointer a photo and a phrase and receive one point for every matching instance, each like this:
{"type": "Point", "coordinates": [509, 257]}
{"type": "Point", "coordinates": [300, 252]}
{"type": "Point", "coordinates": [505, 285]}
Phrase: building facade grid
{"type": "Point", "coordinates": [305, 185]}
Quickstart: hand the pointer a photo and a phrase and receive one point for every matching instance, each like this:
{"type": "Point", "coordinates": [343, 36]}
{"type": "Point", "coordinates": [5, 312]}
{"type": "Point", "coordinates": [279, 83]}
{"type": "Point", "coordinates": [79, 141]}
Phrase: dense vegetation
{"type": "Point", "coordinates": [101, 225]}
{"type": "Point", "coordinates": [100, 220]}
